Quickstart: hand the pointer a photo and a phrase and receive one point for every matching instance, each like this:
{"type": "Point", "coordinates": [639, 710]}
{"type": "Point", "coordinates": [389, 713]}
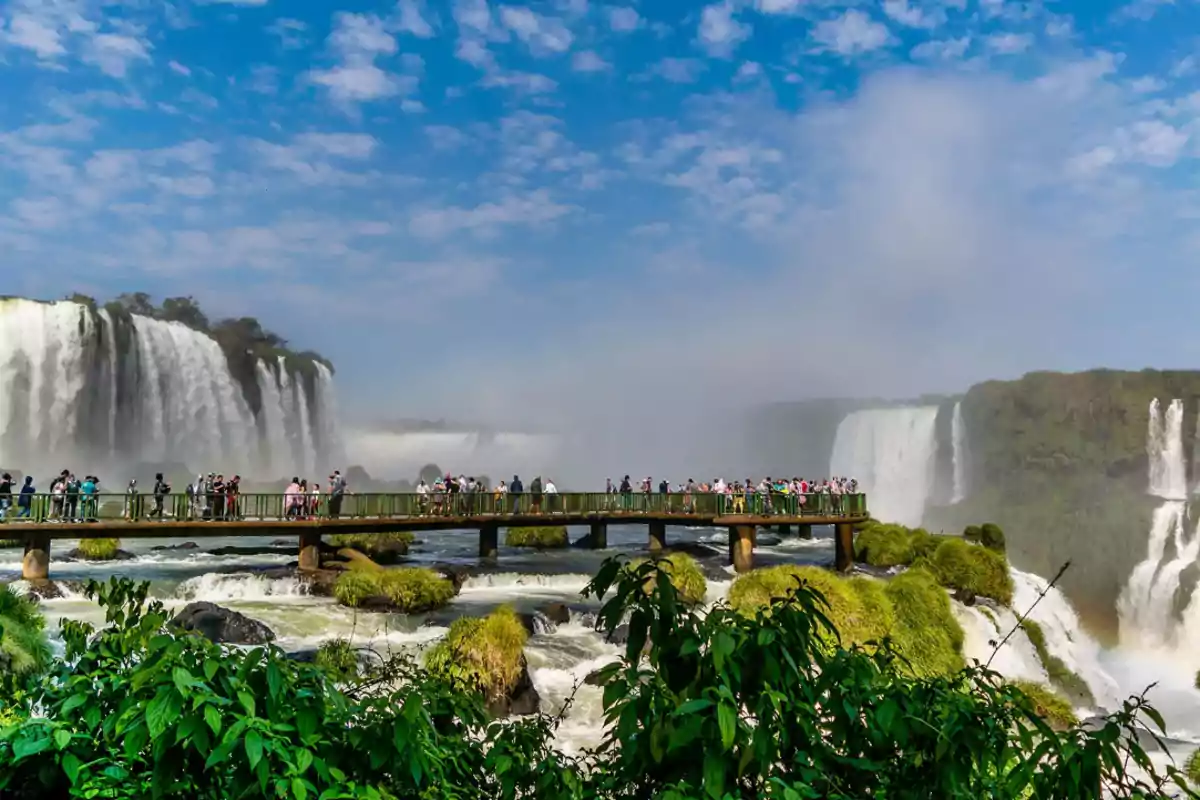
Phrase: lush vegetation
{"type": "Point", "coordinates": [889, 545]}
{"type": "Point", "coordinates": [685, 575]}
{"type": "Point", "coordinates": [23, 647]}
{"type": "Point", "coordinates": [1049, 705]}
{"type": "Point", "coordinates": [973, 569]}
{"type": "Point", "coordinates": [543, 538]}
{"type": "Point", "coordinates": [98, 549]}
{"type": "Point", "coordinates": [409, 590]}
{"type": "Point", "coordinates": [722, 704]}
{"type": "Point", "coordinates": [379, 546]}
{"type": "Point", "coordinates": [1061, 677]}
{"type": "Point", "coordinates": [485, 653]}
{"type": "Point", "coordinates": [339, 659]}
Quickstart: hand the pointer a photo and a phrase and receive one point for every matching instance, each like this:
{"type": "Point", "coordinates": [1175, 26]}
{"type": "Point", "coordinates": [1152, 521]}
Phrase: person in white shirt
{"type": "Point", "coordinates": [422, 496]}
{"type": "Point", "coordinates": [552, 490]}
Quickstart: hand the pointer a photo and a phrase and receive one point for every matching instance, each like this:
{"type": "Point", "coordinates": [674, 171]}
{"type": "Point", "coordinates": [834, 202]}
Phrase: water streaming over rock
{"type": "Point", "coordinates": [88, 388]}
{"type": "Point", "coordinates": [961, 455]}
{"type": "Point", "coordinates": [891, 453]}
{"type": "Point", "coordinates": [1164, 447]}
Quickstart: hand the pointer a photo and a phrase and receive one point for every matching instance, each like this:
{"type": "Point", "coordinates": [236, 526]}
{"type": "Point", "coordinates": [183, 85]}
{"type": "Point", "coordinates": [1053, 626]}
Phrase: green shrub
{"type": "Point", "coordinates": [339, 659]}
{"type": "Point", "coordinates": [484, 653]}
{"type": "Point", "coordinates": [1061, 677]}
{"type": "Point", "coordinates": [415, 590]}
{"type": "Point", "coordinates": [549, 537]}
{"type": "Point", "coordinates": [10, 543]}
{"type": "Point", "coordinates": [685, 576]}
{"type": "Point", "coordinates": [972, 568]}
{"type": "Point", "coordinates": [24, 650]}
{"type": "Point", "coordinates": [992, 537]}
{"type": "Point", "coordinates": [410, 590]}
{"type": "Point", "coordinates": [1192, 767]}
{"type": "Point", "coordinates": [857, 607]}
{"type": "Point", "coordinates": [371, 543]}
{"type": "Point", "coordinates": [924, 543]}
{"type": "Point", "coordinates": [355, 586]}
{"type": "Point", "coordinates": [884, 546]}
{"type": "Point", "coordinates": [972, 533]}
{"type": "Point", "coordinates": [1048, 705]}
{"type": "Point", "coordinates": [926, 632]}
{"type": "Point", "coordinates": [99, 549]}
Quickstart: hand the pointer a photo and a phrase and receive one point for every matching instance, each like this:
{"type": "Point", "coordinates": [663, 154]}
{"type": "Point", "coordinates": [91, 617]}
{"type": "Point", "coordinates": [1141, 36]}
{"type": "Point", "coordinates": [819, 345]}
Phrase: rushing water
{"type": "Point", "coordinates": [891, 453]}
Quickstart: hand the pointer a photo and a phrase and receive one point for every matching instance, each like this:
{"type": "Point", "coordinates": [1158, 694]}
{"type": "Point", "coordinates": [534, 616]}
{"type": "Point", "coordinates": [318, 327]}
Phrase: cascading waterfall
{"type": "Point", "coordinates": [1164, 447]}
{"type": "Point", "coordinates": [86, 388]}
{"type": "Point", "coordinates": [891, 453]}
{"type": "Point", "coordinates": [958, 443]}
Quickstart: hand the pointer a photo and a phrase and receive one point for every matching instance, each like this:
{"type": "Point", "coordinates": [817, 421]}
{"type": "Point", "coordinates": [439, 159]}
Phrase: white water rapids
{"type": "Point", "coordinates": [890, 452]}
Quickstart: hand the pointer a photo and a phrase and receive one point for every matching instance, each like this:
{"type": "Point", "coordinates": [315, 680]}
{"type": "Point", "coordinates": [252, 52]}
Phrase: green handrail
{"type": "Point", "coordinates": [277, 506]}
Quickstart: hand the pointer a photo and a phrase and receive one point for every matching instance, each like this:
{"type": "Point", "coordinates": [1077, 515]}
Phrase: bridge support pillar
{"type": "Point", "coordinates": [35, 566]}
{"type": "Point", "coordinates": [843, 558]}
{"type": "Point", "coordinates": [598, 536]}
{"type": "Point", "coordinates": [804, 531]}
{"type": "Point", "coordinates": [785, 530]}
{"type": "Point", "coordinates": [489, 540]}
{"type": "Point", "coordinates": [741, 547]}
{"type": "Point", "coordinates": [310, 550]}
{"type": "Point", "coordinates": [658, 535]}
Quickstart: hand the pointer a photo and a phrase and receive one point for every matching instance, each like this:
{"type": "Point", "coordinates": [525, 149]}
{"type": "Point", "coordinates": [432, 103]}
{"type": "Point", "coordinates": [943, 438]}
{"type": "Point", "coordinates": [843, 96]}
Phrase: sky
{"type": "Point", "coordinates": [632, 211]}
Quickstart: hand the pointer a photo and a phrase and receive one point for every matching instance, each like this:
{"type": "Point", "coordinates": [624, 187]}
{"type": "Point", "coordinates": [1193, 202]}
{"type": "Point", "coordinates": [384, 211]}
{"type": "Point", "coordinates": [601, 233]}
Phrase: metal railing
{"type": "Point", "coordinates": [277, 506]}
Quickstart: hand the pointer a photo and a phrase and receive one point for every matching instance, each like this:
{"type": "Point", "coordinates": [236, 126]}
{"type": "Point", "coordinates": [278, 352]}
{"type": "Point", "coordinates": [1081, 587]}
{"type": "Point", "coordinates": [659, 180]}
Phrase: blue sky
{"type": "Point", "coordinates": [575, 207]}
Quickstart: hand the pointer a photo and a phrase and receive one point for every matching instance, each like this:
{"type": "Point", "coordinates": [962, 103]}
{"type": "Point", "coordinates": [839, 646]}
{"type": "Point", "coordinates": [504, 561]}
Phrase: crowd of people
{"type": "Point", "coordinates": [71, 500]}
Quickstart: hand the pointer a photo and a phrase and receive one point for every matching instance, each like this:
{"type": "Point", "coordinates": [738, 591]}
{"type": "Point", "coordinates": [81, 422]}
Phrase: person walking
{"type": "Point", "coordinates": [25, 501]}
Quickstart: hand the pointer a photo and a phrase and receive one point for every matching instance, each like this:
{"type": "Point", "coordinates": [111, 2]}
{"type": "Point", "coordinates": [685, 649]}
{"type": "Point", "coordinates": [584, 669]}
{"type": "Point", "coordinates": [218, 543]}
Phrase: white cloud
{"type": "Point", "coordinates": [411, 21]}
{"type": "Point", "coordinates": [542, 34]}
{"type": "Point", "coordinates": [942, 49]}
{"type": "Point", "coordinates": [487, 218]}
{"type": "Point", "coordinates": [678, 70]}
{"type": "Point", "coordinates": [777, 6]}
{"type": "Point", "coordinates": [178, 68]}
{"type": "Point", "coordinates": [31, 33]}
{"type": "Point", "coordinates": [748, 70]}
{"type": "Point", "coordinates": [719, 32]}
{"type": "Point", "coordinates": [113, 53]}
{"type": "Point", "coordinates": [1147, 84]}
{"type": "Point", "coordinates": [911, 16]}
{"type": "Point", "coordinates": [359, 40]}
{"type": "Point", "coordinates": [289, 31]}
{"type": "Point", "coordinates": [589, 61]}
{"type": "Point", "coordinates": [473, 15]}
{"type": "Point", "coordinates": [361, 83]}
{"type": "Point", "coordinates": [851, 34]}
{"type": "Point", "coordinates": [623, 19]}
{"type": "Point", "coordinates": [1009, 43]}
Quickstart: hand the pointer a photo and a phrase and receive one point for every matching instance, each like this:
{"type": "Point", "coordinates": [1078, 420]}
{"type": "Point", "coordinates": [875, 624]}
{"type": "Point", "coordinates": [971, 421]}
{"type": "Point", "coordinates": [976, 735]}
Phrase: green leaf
{"type": "Point", "coordinates": [304, 759]}
{"type": "Point", "coordinates": [30, 745]}
{"type": "Point", "coordinates": [161, 711]}
{"type": "Point", "coordinates": [274, 679]}
{"type": "Point", "coordinates": [692, 706]}
{"type": "Point", "coordinates": [210, 668]}
{"type": "Point", "coordinates": [62, 738]}
{"type": "Point", "coordinates": [213, 717]}
{"type": "Point", "coordinates": [299, 789]}
{"type": "Point", "coordinates": [727, 721]}
{"type": "Point", "coordinates": [247, 701]}
{"type": "Point", "coordinates": [73, 702]}
{"type": "Point", "coordinates": [254, 747]}
{"type": "Point", "coordinates": [183, 680]}
{"type": "Point", "coordinates": [71, 765]}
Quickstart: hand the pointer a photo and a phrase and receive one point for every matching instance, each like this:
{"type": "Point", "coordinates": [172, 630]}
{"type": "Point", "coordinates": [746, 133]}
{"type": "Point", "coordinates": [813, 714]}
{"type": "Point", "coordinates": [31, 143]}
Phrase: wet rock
{"type": "Point", "coordinates": [695, 549]}
{"type": "Point", "coordinates": [521, 701]}
{"type": "Point", "coordinates": [256, 551]}
{"type": "Point", "coordinates": [546, 619]}
{"type": "Point", "coordinates": [75, 555]}
{"type": "Point", "coordinates": [222, 625]}
{"type": "Point", "coordinates": [184, 546]}
{"type": "Point", "coordinates": [767, 540]}
{"type": "Point", "coordinates": [620, 635]}
{"type": "Point", "coordinates": [456, 574]}
{"type": "Point", "coordinates": [558, 613]}
{"type": "Point", "coordinates": [45, 590]}
{"type": "Point", "coordinates": [303, 656]}
{"type": "Point", "coordinates": [283, 543]}
{"type": "Point", "coordinates": [967, 598]}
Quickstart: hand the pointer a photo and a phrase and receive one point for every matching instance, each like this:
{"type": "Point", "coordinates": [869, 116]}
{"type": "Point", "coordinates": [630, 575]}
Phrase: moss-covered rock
{"type": "Point", "coordinates": [550, 537]}
{"type": "Point", "coordinates": [974, 569]}
{"type": "Point", "coordinates": [487, 654]}
{"type": "Point", "coordinates": [857, 606]}
{"type": "Point", "coordinates": [972, 533]}
{"type": "Point", "coordinates": [1073, 687]}
{"type": "Point", "coordinates": [1047, 704]}
{"type": "Point", "coordinates": [407, 590]}
{"type": "Point", "coordinates": [98, 549]}
{"type": "Point", "coordinates": [926, 632]}
{"type": "Point", "coordinates": [884, 545]}
{"type": "Point", "coordinates": [685, 575]}
{"type": "Point", "coordinates": [991, 537]}
{"type": "Point", "coordinates": [384, 548]}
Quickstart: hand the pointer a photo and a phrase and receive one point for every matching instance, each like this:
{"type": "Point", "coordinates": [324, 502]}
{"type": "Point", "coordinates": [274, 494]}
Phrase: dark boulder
{"type": "Point", "coordinates": [521, 701]}
{"type": "Point", "coordinates": [222, 625]}
{"type": "Point", "coordinates": [75, 555]}
{"type": "Point", "coordinates": [967, 598]}
{"type": "Point", "coordinates": [184, 546]}
{"type": "Point", "coordinates": [767, 540]}
{"type": "Point", "coordinates": [304, 656]}
{"type": "Point", "coordinates": [51, 590]}
{"type": "Point", "coordinates": [620, 635]}
{"type": "Point", "coordinates": [558, 613]}
{"type": "Point", "coordinates": [235, 550]}
{"type": "Point", "coordinates": [455, 573]}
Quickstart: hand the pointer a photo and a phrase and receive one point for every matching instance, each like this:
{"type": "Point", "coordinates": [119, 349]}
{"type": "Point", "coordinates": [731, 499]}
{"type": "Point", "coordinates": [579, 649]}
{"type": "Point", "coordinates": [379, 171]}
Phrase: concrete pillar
{"type": "Point", "coordinates": [844, 553]}
{"type": "Point", "coordinates": [598, 537]}
{"type": "Point", "coordinates": [785, 530]}
{"type": "Point", "coordinates": [310, 550]}
{"type": "Point", "coordinates": [36, 564]}
{"type": "Point", "coordinates": [658, 535]}
{"type": "Point", "coordinates": [741, 547]}
{"type": "Point", "coordinates": [804, 531]}
{"type": "Point", "coordinates": [489, 540]}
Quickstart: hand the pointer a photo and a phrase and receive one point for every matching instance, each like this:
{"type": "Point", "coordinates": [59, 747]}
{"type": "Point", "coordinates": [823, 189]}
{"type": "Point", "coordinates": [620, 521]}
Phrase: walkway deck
{"type": "Point", "coordinates": [262, 515]}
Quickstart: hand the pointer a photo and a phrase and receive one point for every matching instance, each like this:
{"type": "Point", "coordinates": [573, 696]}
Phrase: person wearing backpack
{"type": "Point", "coordinates": [161, 490]}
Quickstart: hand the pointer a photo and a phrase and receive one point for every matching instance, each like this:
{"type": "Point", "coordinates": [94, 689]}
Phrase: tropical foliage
{"type": "Point", "coordinates": [547, 537]}
{"type": "Point", "coordinates": [717, 704]}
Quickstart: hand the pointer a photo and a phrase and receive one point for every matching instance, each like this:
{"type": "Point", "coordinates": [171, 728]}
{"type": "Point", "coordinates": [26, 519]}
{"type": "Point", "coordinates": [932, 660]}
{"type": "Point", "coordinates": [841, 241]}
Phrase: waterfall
{"type": "Point", "coordinates": [958, 442]}
{"type": "Point", "coordinates": [1164, 447]}
{"type": "Point", "coordinates": [91, 390]}
{"type": "Point", "coordinates": [891, 453]}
